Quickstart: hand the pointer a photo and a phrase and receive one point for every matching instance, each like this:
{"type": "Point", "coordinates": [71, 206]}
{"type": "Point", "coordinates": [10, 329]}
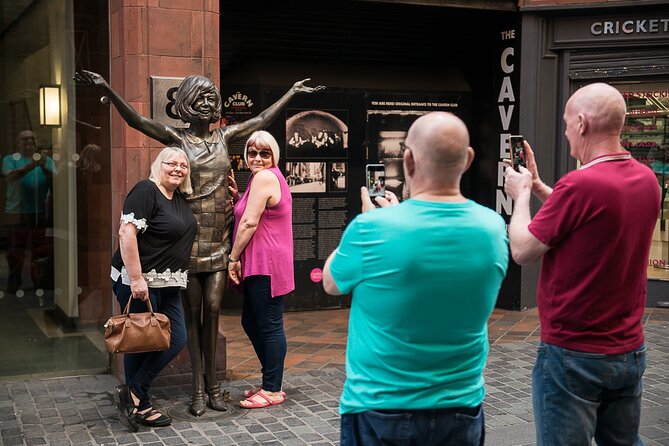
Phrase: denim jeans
{"type": "Point", "coordinates": [579, 396]}
{"type": "Point", "coordinates": [442, 427]}
{"type": "Point", "coordinates": [262, 320]}
{"type": "Point", "coordinates": [142, 368]}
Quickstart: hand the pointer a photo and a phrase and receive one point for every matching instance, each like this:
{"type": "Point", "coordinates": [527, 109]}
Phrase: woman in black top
{"type": "Point", "coordinates": [155, 240]}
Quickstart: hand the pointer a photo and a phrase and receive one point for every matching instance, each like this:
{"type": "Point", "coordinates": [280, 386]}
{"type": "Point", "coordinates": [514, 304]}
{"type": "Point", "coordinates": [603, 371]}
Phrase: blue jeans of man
{"type": "Point", "coordinates": [262, 320]}
{"type": "Point", "coordinates": [579, 396]}
{"type": "Point", "coordinates": [430, 427]}
{"type": "Point", "coordinates": [142, 368]}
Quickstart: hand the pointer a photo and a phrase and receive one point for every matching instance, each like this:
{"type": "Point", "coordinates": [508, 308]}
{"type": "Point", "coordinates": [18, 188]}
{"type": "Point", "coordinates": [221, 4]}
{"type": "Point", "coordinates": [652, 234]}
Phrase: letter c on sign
{"type": "Point", "coordinates": [506, 67]}
{"type": "Point", "coordinates": [596, 28]}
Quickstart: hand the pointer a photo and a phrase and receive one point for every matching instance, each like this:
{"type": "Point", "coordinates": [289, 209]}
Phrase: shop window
{"type": "Point", "coordinates": [646, 137]}
{"type": "Point", "coordinates": [55, 190]}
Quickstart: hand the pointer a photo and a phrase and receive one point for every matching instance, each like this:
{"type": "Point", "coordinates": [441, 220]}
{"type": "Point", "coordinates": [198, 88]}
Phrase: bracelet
{"type": "Point", "coordinates": [231, 260]}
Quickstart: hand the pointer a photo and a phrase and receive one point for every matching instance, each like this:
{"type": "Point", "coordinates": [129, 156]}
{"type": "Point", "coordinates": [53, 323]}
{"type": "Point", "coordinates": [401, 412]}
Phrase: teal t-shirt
{"type": "Point", "coordinates": [28, 194]}
{"type": "Point", "coordinates": [425, 278]}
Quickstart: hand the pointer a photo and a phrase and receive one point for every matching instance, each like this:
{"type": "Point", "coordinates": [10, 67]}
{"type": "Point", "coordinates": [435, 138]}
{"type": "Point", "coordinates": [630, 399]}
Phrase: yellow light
{"type": "Point", "coordinates": [49, 105]}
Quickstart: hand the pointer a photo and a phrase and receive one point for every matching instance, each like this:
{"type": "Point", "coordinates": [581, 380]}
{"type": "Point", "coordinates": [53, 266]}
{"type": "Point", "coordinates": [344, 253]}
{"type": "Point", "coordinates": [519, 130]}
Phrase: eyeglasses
{"type": "Point", "coordinates": [264, 154]}
{"type": "Point", "coordinates": [175, 165]}
{"type": "Point", "coordinates": [403, 147]}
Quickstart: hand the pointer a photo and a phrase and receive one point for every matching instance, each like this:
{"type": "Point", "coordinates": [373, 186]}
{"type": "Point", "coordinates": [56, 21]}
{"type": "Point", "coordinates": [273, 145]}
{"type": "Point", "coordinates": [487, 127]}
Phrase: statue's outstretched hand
{"type": "Point", "coordinates": [299, 87]}
{"type": "Point", "coordinates": [89, 78]}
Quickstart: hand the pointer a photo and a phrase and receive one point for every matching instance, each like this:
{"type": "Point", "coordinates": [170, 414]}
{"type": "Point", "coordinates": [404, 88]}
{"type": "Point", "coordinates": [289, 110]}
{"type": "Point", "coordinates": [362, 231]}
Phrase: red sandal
{"type": "Point", "coordinates": [253, 402]}
{"type": "Point", "coordinates": [250, 392]}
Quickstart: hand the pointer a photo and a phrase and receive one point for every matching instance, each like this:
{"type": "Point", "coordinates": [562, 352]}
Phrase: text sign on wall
{"type": "Point", "coordinates": [163, 92]}
{"type": "Point", "coordinates": [570, 30]}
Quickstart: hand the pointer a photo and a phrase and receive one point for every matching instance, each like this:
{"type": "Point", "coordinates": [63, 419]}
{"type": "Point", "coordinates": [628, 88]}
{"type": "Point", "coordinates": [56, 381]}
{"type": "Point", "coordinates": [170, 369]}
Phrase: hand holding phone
{"type": "Point", "coordinates": [376, 180]}
{"type": "Point", "coordinates": [517, 149]}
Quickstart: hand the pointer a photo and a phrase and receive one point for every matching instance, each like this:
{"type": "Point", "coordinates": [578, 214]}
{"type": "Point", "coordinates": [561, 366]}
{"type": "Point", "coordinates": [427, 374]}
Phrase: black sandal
{"type": "Point", "coordinates": [162, 421]}
{"type": "Point", "coordinates": [125, 407]}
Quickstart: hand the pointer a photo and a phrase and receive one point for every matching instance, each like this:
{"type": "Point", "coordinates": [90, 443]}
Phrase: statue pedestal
{"type": "Point", "coordinates": [179, 370]}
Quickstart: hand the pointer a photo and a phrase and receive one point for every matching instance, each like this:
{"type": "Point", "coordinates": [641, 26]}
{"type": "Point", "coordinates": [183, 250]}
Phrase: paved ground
{"type": "Point", "coordinates": [80, 411]}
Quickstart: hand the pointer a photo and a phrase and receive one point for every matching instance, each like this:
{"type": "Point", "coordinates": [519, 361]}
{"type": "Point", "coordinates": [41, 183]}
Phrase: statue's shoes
{"type": "Point", "coordinates": [197, 404]}
{"type": "Point", "coordinates": [218, 400]}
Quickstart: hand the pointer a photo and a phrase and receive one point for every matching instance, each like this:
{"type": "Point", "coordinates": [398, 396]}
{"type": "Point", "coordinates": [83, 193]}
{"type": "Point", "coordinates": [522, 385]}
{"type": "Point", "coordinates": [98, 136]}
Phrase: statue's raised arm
{"type": "Point", "coordinates": [265, 118]}
{"type": "Point", "coordinates": [160, 132]}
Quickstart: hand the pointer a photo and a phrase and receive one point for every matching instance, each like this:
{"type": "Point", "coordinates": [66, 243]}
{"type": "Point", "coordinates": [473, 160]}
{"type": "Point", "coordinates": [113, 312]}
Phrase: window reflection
{"type": "Point", "coordinates": [646, 137]}
{"type": "Point", "coordinates": [55, 191]}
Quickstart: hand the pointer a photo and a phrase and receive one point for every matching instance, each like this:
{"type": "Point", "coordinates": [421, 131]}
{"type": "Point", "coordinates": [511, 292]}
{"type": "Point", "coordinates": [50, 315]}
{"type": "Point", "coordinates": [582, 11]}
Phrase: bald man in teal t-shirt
{"type": "Point", "coordinates": [425, 275]}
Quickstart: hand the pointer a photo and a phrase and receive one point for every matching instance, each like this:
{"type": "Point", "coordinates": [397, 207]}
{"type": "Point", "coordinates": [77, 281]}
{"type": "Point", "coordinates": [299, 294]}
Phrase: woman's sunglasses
{"type": "Point", "coordinates": [264, 154]}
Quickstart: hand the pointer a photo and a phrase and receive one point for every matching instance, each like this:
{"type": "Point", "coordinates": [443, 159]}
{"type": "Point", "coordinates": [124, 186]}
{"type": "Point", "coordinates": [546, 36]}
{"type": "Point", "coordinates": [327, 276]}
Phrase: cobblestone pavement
{"type": "Point", "coordinates": [80, 410]}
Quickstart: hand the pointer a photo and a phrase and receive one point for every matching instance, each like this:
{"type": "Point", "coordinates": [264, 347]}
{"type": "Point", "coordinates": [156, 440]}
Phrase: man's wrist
{"type": "Point", "coordinates": [231, 260]}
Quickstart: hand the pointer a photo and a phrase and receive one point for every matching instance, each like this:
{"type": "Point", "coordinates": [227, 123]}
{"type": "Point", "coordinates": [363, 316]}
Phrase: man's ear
{"type": "Point", "coordinates": [582, 123]}
{"type": "Point", "coordinates": [470, 159]}
{"type": "Point", "coordinates": [409, 163]}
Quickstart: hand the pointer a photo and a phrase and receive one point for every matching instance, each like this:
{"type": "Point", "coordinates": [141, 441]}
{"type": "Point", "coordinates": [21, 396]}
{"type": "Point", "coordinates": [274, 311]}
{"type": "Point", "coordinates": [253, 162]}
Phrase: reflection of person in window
{"type": "Point", "coordinates": [29, 176]}
{"type": "Point", "coordinates": [89, 159]}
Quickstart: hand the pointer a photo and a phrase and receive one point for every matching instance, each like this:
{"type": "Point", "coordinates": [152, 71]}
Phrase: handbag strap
{"type": "Point", "coordinates": [154, 321]}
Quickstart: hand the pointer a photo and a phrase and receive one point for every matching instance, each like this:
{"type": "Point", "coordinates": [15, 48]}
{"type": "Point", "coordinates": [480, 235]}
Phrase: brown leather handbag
{"type": "Point", "coordinates": [137, 332]}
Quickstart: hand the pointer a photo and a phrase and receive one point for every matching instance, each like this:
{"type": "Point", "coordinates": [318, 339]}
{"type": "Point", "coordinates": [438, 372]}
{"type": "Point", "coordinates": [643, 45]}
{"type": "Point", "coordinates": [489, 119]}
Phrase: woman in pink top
{"type": "Point", "coordinates": [262, 258]}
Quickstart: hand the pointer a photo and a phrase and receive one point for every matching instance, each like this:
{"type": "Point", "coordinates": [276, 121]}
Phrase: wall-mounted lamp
{"type": "Point", "coordinates": [49, 105]}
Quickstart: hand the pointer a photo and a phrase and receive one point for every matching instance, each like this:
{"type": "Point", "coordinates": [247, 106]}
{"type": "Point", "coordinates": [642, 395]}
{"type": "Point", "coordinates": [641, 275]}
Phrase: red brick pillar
{"type": "Point", "coordinates": [155, 38]}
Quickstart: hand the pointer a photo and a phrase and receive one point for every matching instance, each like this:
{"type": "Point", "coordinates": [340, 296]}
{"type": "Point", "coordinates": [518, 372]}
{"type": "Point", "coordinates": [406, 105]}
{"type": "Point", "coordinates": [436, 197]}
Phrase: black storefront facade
{"type": "Point", "coordinates": [626, 45]}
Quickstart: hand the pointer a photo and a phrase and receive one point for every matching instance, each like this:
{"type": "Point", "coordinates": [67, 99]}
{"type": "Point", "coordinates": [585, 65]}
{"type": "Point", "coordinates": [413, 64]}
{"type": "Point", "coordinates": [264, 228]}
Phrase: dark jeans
{"type": "Point", "coordinates": [262, 320]}
{"type": "Point", "coordinates": [142, 368]}
{"type": "Point", "coordinates": [579, 396]}
{"type": "Point", "coordinates": [457, 426]}
{"type": "Point", "coordinates": [29, 235]}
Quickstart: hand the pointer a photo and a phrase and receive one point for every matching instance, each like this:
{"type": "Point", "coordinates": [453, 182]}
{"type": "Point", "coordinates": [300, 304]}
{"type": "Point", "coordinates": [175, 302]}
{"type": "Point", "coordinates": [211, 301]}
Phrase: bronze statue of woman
{"type": "Point", "coordinates": [198, 103]}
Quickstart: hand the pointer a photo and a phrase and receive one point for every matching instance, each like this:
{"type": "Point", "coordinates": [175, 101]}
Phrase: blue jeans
{"type": "Point", "coordinates": [142, 368]}
{"type": "Point", "coordinates": [580, 396]}
{"type": "Point", "coordinates": [456, 426]}
{"type": "Point", "coordinates": [262, 320]}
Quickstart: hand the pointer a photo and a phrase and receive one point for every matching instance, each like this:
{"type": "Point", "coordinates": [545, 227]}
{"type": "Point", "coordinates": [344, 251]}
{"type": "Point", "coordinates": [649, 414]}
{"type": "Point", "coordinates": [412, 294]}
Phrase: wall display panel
{"type": "Point", "coordinates": [321, 139]}
{"type": "Point", "coordinates": [389, 117]}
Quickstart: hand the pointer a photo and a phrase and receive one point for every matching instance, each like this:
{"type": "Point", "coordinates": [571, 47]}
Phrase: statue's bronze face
{"type": "Point", "coordinates": [198, 99]}
{"type": "Point", "coordinates": [205, 104]}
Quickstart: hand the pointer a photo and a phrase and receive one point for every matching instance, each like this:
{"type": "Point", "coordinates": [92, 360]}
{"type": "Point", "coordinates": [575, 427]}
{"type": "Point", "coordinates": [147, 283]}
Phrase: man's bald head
{"type": "Point", "coordinates": [27, 142]}
{"type": "Point", "coordinates": [602, 104]}
{"type": "Point", "coordinates": [439, 142]}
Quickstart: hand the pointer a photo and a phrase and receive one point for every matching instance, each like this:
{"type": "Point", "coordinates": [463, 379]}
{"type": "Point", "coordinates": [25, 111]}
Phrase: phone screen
{"type": "Point", "coordinates": [517, 151]}
{"type": "Point", "coordinates": [376, 180]}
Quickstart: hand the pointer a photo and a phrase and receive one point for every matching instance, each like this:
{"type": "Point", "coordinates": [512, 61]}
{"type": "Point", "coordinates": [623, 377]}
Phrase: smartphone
{"type": "Point", "coordinates": [517, 151]}
{"type": "Point", "coordinates": [376, 179]}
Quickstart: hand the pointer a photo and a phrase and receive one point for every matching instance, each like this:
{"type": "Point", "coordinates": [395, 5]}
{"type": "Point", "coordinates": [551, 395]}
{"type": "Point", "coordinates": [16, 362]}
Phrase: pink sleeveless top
{"type": "Point", "coordinates": [270, 250]}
